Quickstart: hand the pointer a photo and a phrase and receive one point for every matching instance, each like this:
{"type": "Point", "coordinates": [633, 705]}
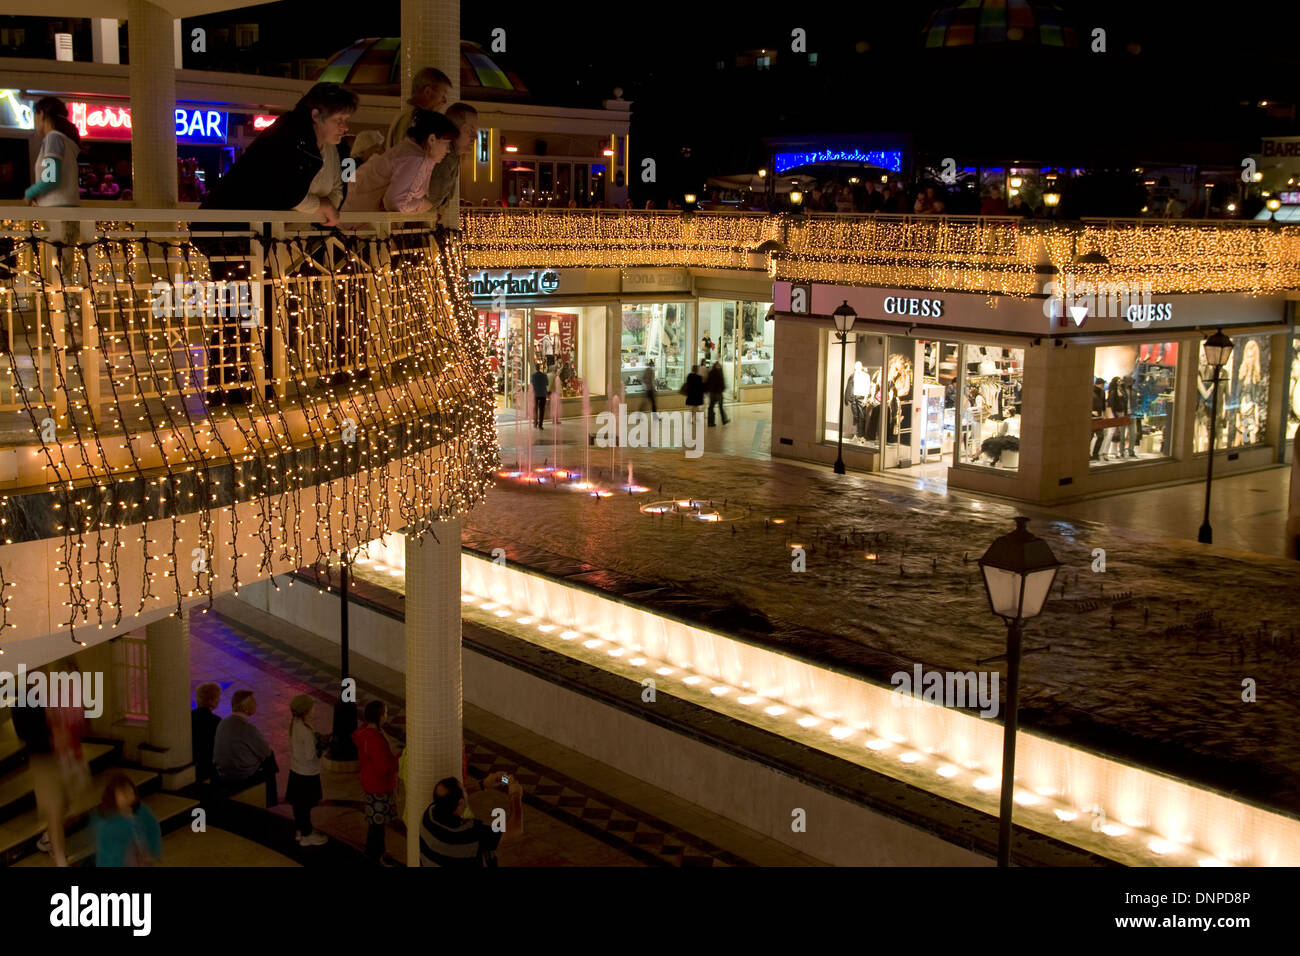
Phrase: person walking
{"type": "Point", "coordinates": [240, 754]}
{"type": "Point", "coordinates": [553, 388]}
{"type": "Point", "coordinates": [716, 386]}
{"type": "Point", "coordinates": [59, 772]}
{"type": "Point", "coordinates": [1098, 413]}
{"type": "Point", "coordinates": [648, 382]}
{"type": "Point", "coordinates": [447, 838]}
{"type": "Point", "coordinates": [541, 389]}
{"type": "Point", "coordinates": [398, 180]}
{"type": "Point", "coordinates": [694, 390]}
{"type": "Point", "coordinates": [378, 777]}
{"type": "Point", "coordinates": [56, 181]}
{"type": "Point", "coordinates": [203, 728]}
{"type": "Point", "coordinates": [304, 789]}
{"type": "Point", "coordinates": [126, 831]}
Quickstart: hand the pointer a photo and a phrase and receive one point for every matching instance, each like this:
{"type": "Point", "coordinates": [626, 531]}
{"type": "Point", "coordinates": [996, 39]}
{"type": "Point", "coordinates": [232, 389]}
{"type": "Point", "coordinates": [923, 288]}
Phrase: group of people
{"type": "Point", "coordinates": [297, 163]}
{"type": "Point", "coordinates": [232, 754]}
{"type": "Point", "coordinates": [702, 380]}
{"type": "Point", "coordinates": [1114, 402]}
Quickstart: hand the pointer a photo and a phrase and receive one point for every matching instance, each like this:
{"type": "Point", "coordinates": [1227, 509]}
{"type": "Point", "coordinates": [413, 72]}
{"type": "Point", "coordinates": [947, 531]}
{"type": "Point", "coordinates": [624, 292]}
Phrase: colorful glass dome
{"type": "Point", "coordinates": [374, 65]}
{"type": "Point", "coordinates": [980, 22]}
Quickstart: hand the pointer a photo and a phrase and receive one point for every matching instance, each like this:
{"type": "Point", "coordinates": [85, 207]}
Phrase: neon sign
{"type": "Point", "coordinates": [891, 159]}
{"type": "Point", "coordinates": [195, 126]}
{"type": "Point", "coordinates": [262, 121]}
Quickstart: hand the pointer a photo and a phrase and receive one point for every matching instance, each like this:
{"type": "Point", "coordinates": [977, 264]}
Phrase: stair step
{"type": "Point", "coordinates": [18, 788]}
{"type": "Point", "coordinates": [167, 808]}
{"type": "Point", "coordinates": [27, 827]}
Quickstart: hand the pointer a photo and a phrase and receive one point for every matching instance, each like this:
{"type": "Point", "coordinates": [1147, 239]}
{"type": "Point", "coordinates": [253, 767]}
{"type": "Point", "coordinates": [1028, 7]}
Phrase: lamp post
{"type": "Point", "coordinates": [1052, 199]}
{"type": "Point", "coordinates": [1018, 569]}
{"type": "Point", "coordinates": [844, 319]}
{"type": "Point", "coordinates": [1218, 349]}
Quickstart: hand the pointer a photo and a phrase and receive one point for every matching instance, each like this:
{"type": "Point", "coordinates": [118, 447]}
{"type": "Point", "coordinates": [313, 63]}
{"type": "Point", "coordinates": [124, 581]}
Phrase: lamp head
{"type": "Point", "coordinates": [844, 317]}
{"type": "Point", "coordinates": [1218, 349]}
{"type": "Point", "coordinates": [1018, 569]}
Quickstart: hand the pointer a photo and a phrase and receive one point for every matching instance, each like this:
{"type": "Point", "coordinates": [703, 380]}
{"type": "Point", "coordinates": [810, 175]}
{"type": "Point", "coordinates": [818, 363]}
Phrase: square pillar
{"type": "Point", "coordinates": [434, 741]}
{"type": "Point", "coordinates": [169, 748]}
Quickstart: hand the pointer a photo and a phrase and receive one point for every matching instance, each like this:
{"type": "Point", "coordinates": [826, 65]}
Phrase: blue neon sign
{"type": "Point", "coordinates": [202, 127]}
{"type": "Point", "coordinates": [891, 159]}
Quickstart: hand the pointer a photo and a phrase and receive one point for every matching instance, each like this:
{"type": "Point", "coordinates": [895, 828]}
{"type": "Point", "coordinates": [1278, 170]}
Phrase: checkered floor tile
{"type": "Point", "coordinates": [640, 835]}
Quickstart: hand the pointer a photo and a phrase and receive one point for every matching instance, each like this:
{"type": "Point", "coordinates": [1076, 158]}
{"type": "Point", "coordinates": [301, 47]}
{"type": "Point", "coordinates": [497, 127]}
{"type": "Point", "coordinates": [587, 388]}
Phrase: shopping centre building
{"type": "Point", "coordinates": [353, 410]}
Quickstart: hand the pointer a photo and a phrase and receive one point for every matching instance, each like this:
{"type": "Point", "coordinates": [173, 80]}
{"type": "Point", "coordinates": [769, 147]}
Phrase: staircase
{"type": "Point", "coordinates": [21, 824]}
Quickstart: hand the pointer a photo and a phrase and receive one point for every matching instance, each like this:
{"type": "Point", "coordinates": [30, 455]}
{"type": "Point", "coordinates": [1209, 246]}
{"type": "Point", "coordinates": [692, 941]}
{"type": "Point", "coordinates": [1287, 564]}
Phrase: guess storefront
{"type": "Point", "coordinates": [1005, 395]}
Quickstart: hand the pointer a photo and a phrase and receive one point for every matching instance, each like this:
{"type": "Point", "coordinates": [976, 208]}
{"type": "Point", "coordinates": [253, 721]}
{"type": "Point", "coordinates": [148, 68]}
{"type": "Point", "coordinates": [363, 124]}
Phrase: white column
{"type": "Point", "coordinates": [168, 645]}
{"type": "Point", "coordinates": [103, 40]}
{"type": "Point", "coordinates": [152, 39]}
{"type": "Point", "coordinates": [178, 44]}
{"type": "Point", "coordinates": [433, 675]}
{"type": "Point", "coordinates": [431, 37]}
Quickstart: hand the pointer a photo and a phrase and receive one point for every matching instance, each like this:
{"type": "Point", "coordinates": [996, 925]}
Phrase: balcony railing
{"type": "Point", "coordinates": [1006, 255]}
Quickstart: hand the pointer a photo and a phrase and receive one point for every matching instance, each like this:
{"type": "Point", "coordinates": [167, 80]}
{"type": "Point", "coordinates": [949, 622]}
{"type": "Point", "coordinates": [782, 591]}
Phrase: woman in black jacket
{"type": "Point", "coordinates": [694, 389]}
{"type": "Point", "coordinates": [284, 167]}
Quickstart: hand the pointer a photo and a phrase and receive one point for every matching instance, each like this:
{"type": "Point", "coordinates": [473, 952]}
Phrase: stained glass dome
{"type": "Point", "coordinates": [980, 22]}
{"type": "Point", "coordinates": [374, 65]}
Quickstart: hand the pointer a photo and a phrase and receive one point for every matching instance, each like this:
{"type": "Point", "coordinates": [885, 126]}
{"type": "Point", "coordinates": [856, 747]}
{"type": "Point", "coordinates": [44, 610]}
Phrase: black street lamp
{"type": "Point", "coordinates": [1019, 569]}
{"type": "Point", "coordinates": [844, 319]}
{"type": "Point", "coordinates": [1218, 349]}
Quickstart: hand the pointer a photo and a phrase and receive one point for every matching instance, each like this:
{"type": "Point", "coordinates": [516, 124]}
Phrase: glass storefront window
{"type": "Point", "coordinates": [992, 379]}
{"type": "Point", "coordinates": [572, 341]}
{"type": "Point", "coordinates": [1293, 390]}
{"type": "Point", "coordinates": [504, 335]}
{"type": "Point", "coordinates": [1133, 402]}
{"type": "Point", "coordinates": [655, 336]}
{"type": "Point", "coordinates": [718, 337]}
{"type": "Point", "coordinates": [1242, 417]}
{"type": "Point", "coordinates": [859, 400]}
{"type": "Point", "coordinates": [758, 332]}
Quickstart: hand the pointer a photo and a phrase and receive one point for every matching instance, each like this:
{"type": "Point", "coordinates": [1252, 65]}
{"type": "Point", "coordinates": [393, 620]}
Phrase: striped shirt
{"type": "Point", "coordinates": [450, 841]}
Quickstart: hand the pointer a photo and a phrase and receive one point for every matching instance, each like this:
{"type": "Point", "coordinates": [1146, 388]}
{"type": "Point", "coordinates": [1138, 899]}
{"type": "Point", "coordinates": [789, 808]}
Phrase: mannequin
{"type": "Point", "coordinates": [868, 405]}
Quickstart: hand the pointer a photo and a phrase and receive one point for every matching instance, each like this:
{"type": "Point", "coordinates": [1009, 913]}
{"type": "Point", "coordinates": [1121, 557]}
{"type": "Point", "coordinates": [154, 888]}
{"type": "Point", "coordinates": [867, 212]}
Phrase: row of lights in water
{"type": "Point", "coordinates": [983, 782]}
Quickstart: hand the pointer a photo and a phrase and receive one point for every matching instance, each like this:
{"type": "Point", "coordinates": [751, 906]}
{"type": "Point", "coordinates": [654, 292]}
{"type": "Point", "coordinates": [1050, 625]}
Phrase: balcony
{"type": "Point", "coordinates": [226, 386]}
{"type": "Point", "coordinates": [1003, 255]}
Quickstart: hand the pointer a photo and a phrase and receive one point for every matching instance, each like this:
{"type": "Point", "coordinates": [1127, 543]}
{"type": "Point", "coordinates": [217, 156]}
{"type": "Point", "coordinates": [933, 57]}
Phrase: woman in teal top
{"type": "Point", "coordinates": [126, 832]}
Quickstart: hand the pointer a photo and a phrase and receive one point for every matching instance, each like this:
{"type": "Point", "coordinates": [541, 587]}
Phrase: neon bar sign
{"type": "Point", "coordinates": [891, 159]}
{"type": "Point", "coordinates": [195, 126]}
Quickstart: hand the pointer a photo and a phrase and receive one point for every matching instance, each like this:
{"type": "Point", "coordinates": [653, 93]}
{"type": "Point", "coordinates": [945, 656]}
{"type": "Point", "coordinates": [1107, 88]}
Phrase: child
{"type": "Point", "coordinates": [126, 832]}
{"type": "Point", "coordinates": [378, 776]}
{"type": "Point", "coordinates": [304, 790]}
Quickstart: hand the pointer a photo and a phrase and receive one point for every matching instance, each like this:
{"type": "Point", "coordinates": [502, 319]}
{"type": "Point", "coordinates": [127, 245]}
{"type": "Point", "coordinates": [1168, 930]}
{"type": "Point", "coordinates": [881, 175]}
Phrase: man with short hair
{"type": "Point", "coordinates": [240, 754]}
{"type": "Point", "coordinates": [430, 90]}
{"type": "Point", "coordinates": [203, 728]}
{"type": "Point", "coordinates": [447, 838]}
{"type": "Point", "coordinates": [446, 175]}
{"type": "Point", "coordinates": [541, 389]}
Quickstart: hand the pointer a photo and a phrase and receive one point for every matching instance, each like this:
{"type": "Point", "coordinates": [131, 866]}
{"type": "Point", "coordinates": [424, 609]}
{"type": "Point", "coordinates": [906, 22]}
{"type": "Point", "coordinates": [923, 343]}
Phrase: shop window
{"type": "Point", "coordinates": [504, 336]}
{"type": "Point", "coordinates": [1293, 390]}
{"type": "Point", "coordinates": [1133, 402]}
{"type": "Point", "coordinates": [1242, 417]}
{"type": "Point", "coordinates": [572, 343]}
{"type": "Point", "coordinates": [758, 330]}
{"type": "Point", "coordinates": [993, 379]}
{"type": "Point", "coordinates": [859, 400]}
{"type": "Point", "coordinates": [718, 340]}
{"type": "Point", "coordinates": [654, 342]}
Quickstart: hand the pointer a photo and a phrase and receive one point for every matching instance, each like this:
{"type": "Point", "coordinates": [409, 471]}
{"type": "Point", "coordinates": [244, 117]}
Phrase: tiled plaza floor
{"type": "Point", "coordinates": [570, 819]}
{"type": "Point", "coordinates": [1148, 651]}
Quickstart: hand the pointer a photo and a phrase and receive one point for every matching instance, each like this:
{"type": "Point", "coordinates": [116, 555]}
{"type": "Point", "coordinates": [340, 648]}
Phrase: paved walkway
{"type": "Point", "coordinates": [578, 812]}
{"type": "Point", "coordinates": [1148, 651]}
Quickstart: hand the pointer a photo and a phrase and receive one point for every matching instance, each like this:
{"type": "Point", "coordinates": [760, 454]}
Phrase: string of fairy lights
{"type": "Point", "coordinates": [360, 384]}
{"type": "Point", "coordinates": [995, 256]}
